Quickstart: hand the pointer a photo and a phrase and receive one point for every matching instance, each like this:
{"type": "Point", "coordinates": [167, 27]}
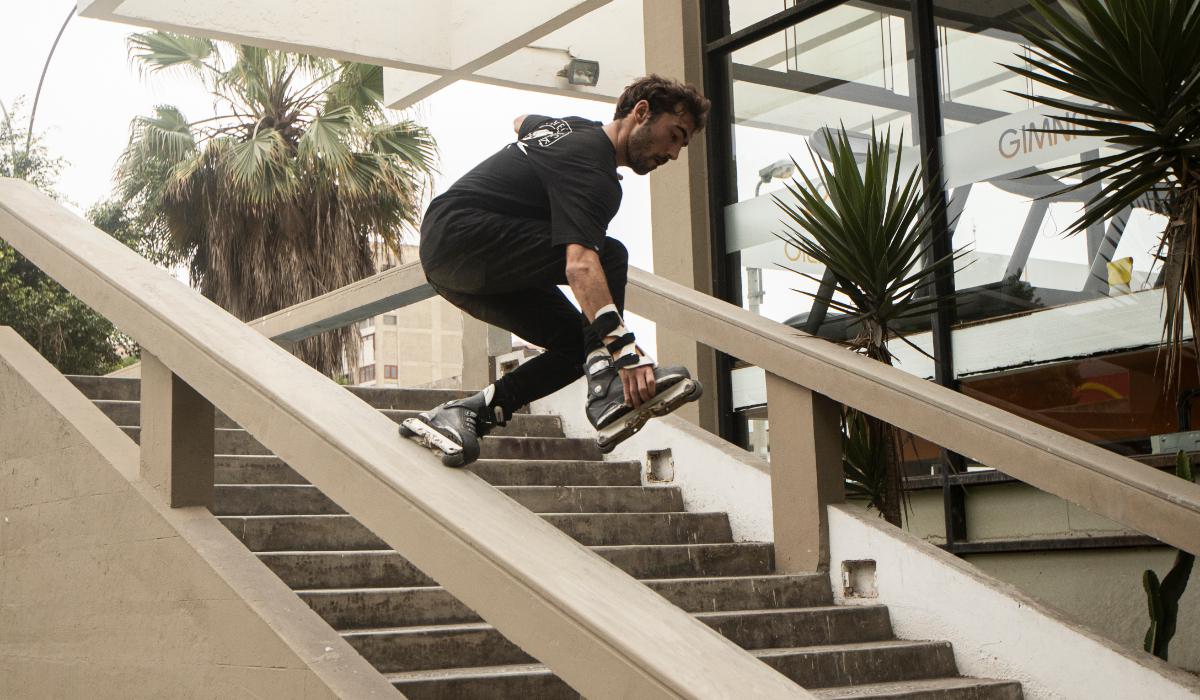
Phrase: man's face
{"type": "Point", "coordinates": [658, 139]}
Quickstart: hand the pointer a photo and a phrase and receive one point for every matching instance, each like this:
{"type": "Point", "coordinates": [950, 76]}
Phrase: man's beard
{"type": "Point", "coordinates": [638, 151]}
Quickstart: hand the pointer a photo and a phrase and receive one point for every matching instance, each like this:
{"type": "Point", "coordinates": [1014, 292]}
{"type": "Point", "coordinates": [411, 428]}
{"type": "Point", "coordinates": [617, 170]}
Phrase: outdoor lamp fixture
{"type": "Point", "coordinates": [778, 170]}
{"type": "Point", "coordinates": [581, 72]}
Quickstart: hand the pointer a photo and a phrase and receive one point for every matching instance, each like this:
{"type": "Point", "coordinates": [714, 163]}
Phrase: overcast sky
{"type": "Point", "coordinates": [92, 92]}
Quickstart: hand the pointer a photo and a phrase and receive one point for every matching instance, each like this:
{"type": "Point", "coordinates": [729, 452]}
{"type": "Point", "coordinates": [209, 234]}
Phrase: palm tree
{"type": "Point", "coordinates": [871, 228]}
{"type": "Point", "coordinates": [1131, 74]}
{"type": "Point", "coordinates": [284, 195]}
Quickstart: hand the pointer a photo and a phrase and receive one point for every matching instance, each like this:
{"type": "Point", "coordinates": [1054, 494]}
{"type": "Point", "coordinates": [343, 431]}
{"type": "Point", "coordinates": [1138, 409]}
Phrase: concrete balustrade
{"type": "Point", "coordinates": [177, 437]}
{"type": "Point", "coordinates": [599, 630]}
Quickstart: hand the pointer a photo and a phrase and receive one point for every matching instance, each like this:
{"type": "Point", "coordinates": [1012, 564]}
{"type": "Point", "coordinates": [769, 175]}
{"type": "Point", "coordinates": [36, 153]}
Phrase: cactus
{"type": "Point", "coordinates": [1162, 598]}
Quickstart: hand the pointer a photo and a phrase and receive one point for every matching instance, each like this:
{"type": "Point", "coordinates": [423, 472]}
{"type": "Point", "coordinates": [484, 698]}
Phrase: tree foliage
{"type": "Point", "coordinates": [286, 193]}
{"type": "Point", "coordinates": [72, 337]}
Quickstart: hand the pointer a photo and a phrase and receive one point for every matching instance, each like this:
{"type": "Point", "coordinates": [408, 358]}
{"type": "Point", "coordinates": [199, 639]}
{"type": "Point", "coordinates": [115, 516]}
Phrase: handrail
{"type": "Point", "coordinates": [1158, 504]}
{"type": "Point", "coordinates": [1146, 499]}
{"type": "Point", "coordinates": [601, 631]}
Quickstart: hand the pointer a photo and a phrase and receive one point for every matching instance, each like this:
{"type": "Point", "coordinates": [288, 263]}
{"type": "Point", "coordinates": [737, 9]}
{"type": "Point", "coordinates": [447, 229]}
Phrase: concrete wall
{"type": "Point", "coordinates": [997, 630]}
{"type": "Point", "coordinates": [106, 593]}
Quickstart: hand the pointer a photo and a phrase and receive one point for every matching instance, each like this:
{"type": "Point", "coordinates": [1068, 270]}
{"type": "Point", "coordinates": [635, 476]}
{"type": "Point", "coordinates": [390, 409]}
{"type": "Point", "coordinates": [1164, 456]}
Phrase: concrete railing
{"type": "Point", "coordinates": [597, 628]}
{"type": "Point", "coordinates": [807, 379]}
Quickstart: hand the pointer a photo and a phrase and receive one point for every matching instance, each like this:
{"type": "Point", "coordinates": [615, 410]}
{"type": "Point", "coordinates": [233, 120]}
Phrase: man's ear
{"type": "Point", "coordinates": [641, 110]}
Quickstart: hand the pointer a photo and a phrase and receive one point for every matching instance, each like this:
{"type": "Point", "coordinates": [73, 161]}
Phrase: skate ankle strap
{"type": "Point", "coordinates": [607, 322]}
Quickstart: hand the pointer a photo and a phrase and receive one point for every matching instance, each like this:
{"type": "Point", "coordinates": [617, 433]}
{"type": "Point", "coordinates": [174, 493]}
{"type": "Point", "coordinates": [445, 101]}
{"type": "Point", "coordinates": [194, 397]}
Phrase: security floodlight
{"type": "Point", "coordinates": [779, 170]}
{"type": "Point", "coordinates": [581, 72]}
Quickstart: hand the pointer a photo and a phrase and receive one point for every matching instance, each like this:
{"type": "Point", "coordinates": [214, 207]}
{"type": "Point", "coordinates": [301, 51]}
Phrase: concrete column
{"type": "Point", "coordinates": [176, 437]}
{"type": "Point", "coordinates": [679, 196]}
{"type": "Point", "coordinates": [474, 353]}
{"type": "Point", "coordinates": [806, 473]}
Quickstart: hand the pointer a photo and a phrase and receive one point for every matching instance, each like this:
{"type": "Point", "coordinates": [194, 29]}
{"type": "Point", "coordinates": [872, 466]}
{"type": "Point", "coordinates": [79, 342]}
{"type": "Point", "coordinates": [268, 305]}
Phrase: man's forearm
{"type": "Point", "coordinates": [590, 287]}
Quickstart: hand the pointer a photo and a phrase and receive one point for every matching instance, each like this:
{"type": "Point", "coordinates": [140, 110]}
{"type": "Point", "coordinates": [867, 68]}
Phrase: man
{"type": "Point", "coordinates": [533, 216]}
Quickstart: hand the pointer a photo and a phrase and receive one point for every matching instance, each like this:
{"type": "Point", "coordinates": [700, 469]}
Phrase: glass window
{"type": "Point", "coordinates": [847, 67]}
{"type": "Point", "coordinates": [391, 372]}
{"type": "Point", "coordinates": [1039, 298]}
{"type": "Point", "coordinates": [366, 374]}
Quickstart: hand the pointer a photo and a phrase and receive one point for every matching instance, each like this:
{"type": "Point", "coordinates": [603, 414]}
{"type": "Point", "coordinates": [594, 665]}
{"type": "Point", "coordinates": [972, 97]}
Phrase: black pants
{"type": "Point", "coordinates": [504, 271]}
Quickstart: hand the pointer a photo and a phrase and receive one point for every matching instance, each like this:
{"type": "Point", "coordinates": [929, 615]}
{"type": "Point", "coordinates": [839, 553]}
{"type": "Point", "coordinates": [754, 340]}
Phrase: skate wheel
{"type": "Point", "coordinates": [453, 460]}
{"type": "Point", "coordinates": [406, 431]}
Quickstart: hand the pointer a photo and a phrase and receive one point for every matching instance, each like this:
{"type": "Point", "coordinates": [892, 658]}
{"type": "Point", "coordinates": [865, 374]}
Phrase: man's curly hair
{"type": "Point", "coordinates": [666, 96]}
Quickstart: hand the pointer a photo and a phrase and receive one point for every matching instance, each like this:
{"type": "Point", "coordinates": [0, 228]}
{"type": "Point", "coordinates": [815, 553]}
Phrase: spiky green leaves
{"type": "Point", "coordinates": [870, 226]}
{"type": "Point", "coordinates": [1131, 71]}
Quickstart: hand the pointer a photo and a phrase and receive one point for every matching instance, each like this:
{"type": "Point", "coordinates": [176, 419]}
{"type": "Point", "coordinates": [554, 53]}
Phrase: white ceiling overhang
{"type": "Point", "coordinates": [424, 45]}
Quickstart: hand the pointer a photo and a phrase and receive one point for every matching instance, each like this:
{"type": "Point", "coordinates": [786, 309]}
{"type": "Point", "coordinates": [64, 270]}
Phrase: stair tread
{"type": "Point", "coordinates": [485, 627]}
{"type": "Point", "coordinates": [466, 672]}
{"type": "Point", "coordinates": [847, 646]}
{"type": "Point", "coordinates": [898, 688]}
{"type": "Point", "coordinates": [649, 581]}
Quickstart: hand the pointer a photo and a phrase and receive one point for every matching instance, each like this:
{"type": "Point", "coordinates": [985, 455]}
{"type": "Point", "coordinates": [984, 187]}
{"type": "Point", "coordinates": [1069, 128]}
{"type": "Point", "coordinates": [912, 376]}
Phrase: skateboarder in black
{"type": "Point", "coordinates": [534, 216]}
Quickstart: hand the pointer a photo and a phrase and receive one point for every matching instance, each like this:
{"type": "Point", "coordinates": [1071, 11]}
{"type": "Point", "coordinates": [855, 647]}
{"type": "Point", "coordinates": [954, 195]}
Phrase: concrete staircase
{"type": "Point", "coordinates": [431, 646]}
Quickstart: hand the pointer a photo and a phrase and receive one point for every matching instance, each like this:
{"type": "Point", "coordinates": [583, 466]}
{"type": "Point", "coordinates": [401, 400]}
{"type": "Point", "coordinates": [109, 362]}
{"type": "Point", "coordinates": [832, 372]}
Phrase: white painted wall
{"type": "Point", "coordinates": [996, 630]}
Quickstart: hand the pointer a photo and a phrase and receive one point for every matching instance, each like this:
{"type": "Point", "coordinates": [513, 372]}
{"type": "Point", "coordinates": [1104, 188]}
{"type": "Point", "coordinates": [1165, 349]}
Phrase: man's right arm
{"type": "Point", "coordinates": [587, 280]}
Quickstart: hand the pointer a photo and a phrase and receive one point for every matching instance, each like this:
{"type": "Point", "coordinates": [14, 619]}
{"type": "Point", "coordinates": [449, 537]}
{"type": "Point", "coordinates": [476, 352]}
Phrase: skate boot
{"type": "Point", "coordinates": [454, 429]}
{"type": "Point", "coordinates": [616, 420]}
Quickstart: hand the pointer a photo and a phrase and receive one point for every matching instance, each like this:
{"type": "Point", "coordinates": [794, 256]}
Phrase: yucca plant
{"type": "Point", "coordinates": [871, 226]}
{"type": "Point", "coordinates": [1131, 71]}
{"type": "Point", "coordinates": [283, 195]}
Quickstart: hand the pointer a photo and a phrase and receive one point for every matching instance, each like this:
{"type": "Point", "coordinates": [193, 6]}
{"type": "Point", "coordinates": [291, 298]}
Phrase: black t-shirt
{"type": "Point", "coordinates": [559, 170]}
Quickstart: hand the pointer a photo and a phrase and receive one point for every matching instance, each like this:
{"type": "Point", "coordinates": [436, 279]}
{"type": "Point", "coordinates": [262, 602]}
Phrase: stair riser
{"type": "Point", "coordinates": [435, 606]}
{"type": "Point", "coordinates": [436, 648]}
{"type": "Point", "coordinates": [266, 498]}
{"type": "Point", "coordinates": [239, 442]}
{"type": "Point", "coordinates": [235, 470]}
{"type": "Point", "coordinates": [798, 628]}
{"type": "Point", "coordinates": [409, 607]}
{"type": "Point", "coordinates": [869, 665]}
{"type": "Point", "coordinates": [321, 533]}
{"type": "Point", "coordinates": [522, 425]}
{"type": "Point", "coordinates": [319, 570]}
{"type": "Point", "coordinates": [752, 593]}
{"type": "Point", "coordinates": [989, 691]}
{"type": "Point", "coordinates": [617, 499]}
{"type": "Point", "coordinates": [345, 570]}
{"type": "Point", "coordinates": [263, 469]}
{"type": "Point", "coordinates": [272, 500]}
{"type": "Point", "coordinates": [527, 686]}
{"type": "Point", "coordinates": [108, 388]}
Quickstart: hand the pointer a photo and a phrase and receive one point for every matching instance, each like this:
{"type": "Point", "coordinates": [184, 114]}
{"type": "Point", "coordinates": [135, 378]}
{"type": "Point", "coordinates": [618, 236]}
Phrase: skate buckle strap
{"type": "Point", "coordinates": [608, 321]}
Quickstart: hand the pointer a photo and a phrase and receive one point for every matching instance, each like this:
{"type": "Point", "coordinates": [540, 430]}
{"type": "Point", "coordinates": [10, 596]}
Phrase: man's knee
{"type": "Point", "coordinates": [614, 255]}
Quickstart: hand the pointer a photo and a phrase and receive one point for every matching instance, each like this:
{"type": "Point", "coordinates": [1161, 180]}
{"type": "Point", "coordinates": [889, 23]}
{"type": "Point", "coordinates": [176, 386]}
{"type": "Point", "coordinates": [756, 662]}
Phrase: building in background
{"type": "Point", "coordinates": [417, 346]}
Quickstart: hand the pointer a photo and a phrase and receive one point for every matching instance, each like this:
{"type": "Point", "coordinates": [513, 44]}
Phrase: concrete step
{"type": "Point", "coordinates": [305, 499]}
{"type": "Point", "coordinates": [129, 389]}
{"type": "Point", "coordinates": [272, 499]}
{"type": "Point", "coordinates": [342, 532]}
{"type": "Point", "coordinates": [253, 469]}
{"type": "Point", "coordinates": [958, 688]}
{"type": "Point", "coordinates": [268, 469]}
{"type": "Point", "coordinates": [536, 681]}
{"type": "Point", "coordinates": [597, 499]}
{"type": "Point", "coordinates": [861, 663]}
{"type": "Point", "coordinates": [513, 682]}
{"type": "Point", "coordinates": [396, 650]}
{"type": "Point", "coordinates": [108, 388]}
{"type": "Point", "coordinates": [125, 413]}
{"type": "Point", "coordinates": [346, 609]}
{"type": "Point", "coordinates": [823, 646]}
{"type": "Point", "coordinates": [801, 627]}
{"type": "Point", "coordinates": [306, 570]}
{"type": "Point", "coordinates": [230, 441]}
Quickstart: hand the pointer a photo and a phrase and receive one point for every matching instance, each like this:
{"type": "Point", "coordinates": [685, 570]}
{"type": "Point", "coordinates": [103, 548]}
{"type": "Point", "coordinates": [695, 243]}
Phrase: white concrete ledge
{"type": "Point", "coordinates": [996, 630]}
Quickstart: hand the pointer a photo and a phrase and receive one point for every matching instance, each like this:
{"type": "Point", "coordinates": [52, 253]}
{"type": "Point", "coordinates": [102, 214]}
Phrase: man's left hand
{"type": "Point", "coordinates": [639, 384]}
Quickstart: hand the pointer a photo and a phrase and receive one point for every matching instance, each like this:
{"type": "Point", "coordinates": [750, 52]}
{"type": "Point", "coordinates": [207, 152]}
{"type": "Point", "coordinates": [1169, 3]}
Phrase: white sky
{"type": "Point", "coordinates": [92, 92]}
